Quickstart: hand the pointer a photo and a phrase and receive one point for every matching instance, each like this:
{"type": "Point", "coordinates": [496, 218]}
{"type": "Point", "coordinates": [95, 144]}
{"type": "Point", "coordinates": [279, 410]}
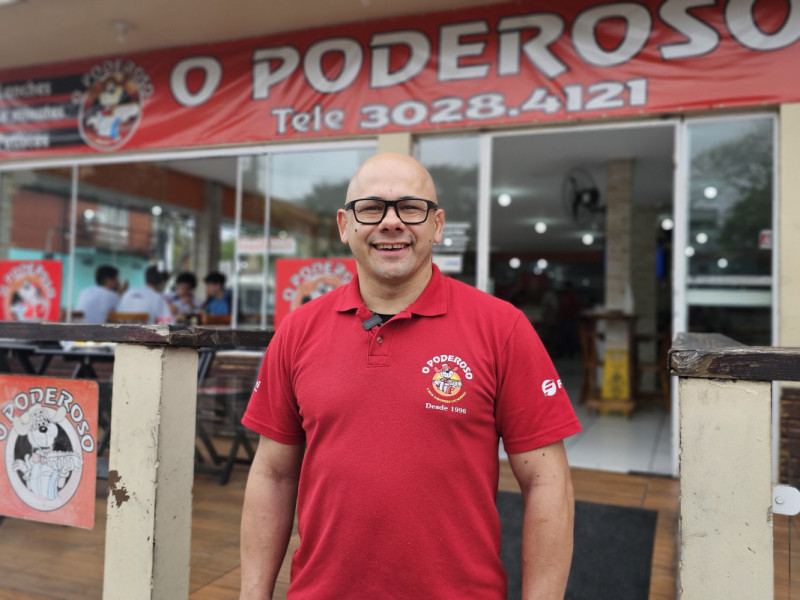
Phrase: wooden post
{"type": "Point", "coordinates": [726, 490]}
{"type": "Point", "coordinates": [148, 530]}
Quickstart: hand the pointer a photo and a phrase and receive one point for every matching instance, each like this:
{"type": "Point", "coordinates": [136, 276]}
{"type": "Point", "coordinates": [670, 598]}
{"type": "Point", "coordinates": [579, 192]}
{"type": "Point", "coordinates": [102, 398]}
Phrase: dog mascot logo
{"type": "Point", "coordinates": [111, 108]}
{"type": "Point", "coordinates": [44, 454]}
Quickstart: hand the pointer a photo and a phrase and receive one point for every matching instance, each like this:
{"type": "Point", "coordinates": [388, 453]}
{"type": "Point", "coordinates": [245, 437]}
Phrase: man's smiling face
{"type": "Point", "coordinates": [391, 252]}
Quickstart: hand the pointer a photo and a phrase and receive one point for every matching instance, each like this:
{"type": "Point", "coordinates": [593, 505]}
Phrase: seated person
{"type": "Point", "coordinates": [182, 301]}
{"type": "Point", "coordinates": [219, 301]}
{"type": "Point", "coordinates": [148, 298]}
{"type": "Point", "coordinates": [97, 301]}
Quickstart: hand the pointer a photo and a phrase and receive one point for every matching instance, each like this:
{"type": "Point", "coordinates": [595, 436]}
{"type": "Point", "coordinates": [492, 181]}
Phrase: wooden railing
{"type": "Point", "coordinates": [151, 455]}
{"type": "Point", "coordinates": [725, 414]}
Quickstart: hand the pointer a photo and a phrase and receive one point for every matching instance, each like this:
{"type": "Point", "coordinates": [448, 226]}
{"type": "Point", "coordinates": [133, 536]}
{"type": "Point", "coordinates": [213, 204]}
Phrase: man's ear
{"type": "Point", "coordinates": [341, 220]}
{"type": "Point", "coordinates": [439, 226]}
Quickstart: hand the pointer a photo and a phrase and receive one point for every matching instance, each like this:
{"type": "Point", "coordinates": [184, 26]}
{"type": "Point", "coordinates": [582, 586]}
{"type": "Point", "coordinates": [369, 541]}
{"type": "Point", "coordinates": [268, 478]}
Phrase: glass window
{"type": "Point", "coordinates": [34, 217]}
{"type": "Point", "coordinates": [303, 190]}
{"type": "Point", "coordinates": [730, 196]}
{"type": "Point", "coordinates": [453, 164]}
{"type": "Point", "coordinates": [729, 243]}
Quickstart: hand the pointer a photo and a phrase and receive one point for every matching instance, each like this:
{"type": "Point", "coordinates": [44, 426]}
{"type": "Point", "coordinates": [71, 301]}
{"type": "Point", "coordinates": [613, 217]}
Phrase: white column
{"type": "Point", "coordinates": [726, 490]}
{"type": "Point", "coordinates": [151, 470]}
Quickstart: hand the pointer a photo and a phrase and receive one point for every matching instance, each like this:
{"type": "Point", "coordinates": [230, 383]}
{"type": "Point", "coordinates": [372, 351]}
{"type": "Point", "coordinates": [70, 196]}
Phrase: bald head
{"type": "Point", "coordinates": [395, 175]}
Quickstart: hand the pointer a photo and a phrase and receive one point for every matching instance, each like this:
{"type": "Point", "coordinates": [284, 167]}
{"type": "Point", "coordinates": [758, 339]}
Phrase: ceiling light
{"type": "Point", "coordinates": [722, 263]}
{"type": "Point", "coordinates": [121, 29]}
{"type": "Point", "coordinates": [710, 192]}
{"type": "Point", "coordinates": [701, 238]}
{"type": "Point", "coordinates": [156, 210]}
{"type": "Point", "coordinates": [667, 224]}
{"type": "Point", "coordinates": [504, 199]}
{"type": "Point", "coordinates": [541, 263]}
{"type": "Point", "coordinates": [448, 241]}
{"type": "Point", "coordinates": [689, 251]}
{"type": "Point", "coordinates": [540, 226]}
{"type": "Point", "coordinates": [587, 239]}
{"type": "Point", "coordinates": [514, 263]}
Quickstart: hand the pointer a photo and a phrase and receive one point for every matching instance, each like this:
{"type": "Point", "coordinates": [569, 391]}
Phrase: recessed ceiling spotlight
{"type": "Point", "coordinates": [541, 264]}
{"type": "Point", "coordinates": [540, 226]}
{"type": "Point", "coordinates": [504, 199]}
{"type": "Point", "coordinates": [701, 238]}
{"type": "Point", "coordinates": [667, 224]}
{"type": "Point", "coordinates": [514, 263]}
{"type": "Point", "coordinates": [710, 192]}
{"type": "Point", "coordinates": [587, 239]}
{"type": "Point", "coordinates": [122, 28]}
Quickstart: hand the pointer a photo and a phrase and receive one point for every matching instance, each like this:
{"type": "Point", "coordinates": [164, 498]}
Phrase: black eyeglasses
{"type": "Point", "coordinates": [371, 211]}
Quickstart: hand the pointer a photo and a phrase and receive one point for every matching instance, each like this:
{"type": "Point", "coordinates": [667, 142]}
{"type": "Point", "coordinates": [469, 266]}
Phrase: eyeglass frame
{"type": "Point", "coordinates": [393, 204]}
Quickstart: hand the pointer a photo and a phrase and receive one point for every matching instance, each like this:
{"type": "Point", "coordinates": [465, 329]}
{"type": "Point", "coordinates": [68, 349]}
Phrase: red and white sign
{"type": "Point", "coordinates": [300, 280]}
{"type": "Point", "coordinates": [258, 245]}
{"type": "Point", "coordinates": [765, 239]}
{"type": "Point", "coordinates": [48, 443]}
{"type": "Point", "coordinates": [511, 63]}
{"type": "Point", "coordinates": [30, 290]}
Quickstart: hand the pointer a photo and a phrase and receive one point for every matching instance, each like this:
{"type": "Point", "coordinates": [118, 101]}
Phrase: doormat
{"type": "Point", "coordinates": [613, 550]}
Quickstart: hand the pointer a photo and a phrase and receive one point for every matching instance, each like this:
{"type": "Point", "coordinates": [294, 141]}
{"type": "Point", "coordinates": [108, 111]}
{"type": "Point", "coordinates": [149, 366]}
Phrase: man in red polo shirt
{"type": "Point", "coordinates": [380, 406]}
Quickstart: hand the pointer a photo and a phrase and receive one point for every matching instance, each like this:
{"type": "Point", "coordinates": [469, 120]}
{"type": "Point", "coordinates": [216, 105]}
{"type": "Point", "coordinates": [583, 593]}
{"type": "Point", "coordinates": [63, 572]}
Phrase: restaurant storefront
{"type": "Point", "coordinates": [631, 154]}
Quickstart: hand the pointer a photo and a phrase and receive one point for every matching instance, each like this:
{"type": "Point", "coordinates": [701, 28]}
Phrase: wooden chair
{"type": "Point", "coordinates": [588, 338]}
{"type": "Point", "coordinates": [659, 367]}
{"type": "Point", "coordinates": [129, 318]}
{"type": "Point", "coordinates": [74, 315]}
{"type": "Point", "coordinates": [217, 319]}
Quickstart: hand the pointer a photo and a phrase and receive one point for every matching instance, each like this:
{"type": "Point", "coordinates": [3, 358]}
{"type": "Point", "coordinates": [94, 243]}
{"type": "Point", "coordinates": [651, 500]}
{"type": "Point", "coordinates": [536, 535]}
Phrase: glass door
{"type": "Point", "coordinates": [728, 228]}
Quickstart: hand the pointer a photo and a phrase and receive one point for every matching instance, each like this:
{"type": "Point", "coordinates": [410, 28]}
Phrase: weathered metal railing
{"type": "Point", "coordinates": [151, 455]}
{"type": "Point", "coordinates": [725, 402]}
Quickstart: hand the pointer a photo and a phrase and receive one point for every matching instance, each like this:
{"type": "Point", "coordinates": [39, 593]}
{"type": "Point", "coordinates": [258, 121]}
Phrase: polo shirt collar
{"type": "Point", "coordinates": [432, 301]}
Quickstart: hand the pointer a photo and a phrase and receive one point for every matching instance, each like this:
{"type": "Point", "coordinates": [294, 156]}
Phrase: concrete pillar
{"type": "Point", "coordinates": [644, 284]}
{"type": "Point", "coordinates": [207, 243]}
{"type": "Point", "coordinates": [151, 470]}
{"type": "Point", "coordinates": [788, 242]}
{"type": "Point", "coordinates": [6, 215]}
{"type": "Point", "coordinates": [726, 490]}
{"type": "Point", "coordinates": [618, 286]}
{"type": "Point", "coordinates": [396, 142]}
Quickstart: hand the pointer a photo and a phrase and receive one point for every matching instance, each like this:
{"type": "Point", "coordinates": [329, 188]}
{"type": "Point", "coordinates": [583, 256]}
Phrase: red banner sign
{"type": "Point", "coordinates": [514, 63]}
{"type": "Point", "coordinates": [300, 280]}
{"type": "Point", "coordinates": [30, 290]}
{"type": "Point", "coordinates": [48, 434]}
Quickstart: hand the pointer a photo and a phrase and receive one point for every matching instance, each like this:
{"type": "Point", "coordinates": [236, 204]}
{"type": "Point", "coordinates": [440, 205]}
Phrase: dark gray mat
{"type": "Point", "coordinates": [612, 556]}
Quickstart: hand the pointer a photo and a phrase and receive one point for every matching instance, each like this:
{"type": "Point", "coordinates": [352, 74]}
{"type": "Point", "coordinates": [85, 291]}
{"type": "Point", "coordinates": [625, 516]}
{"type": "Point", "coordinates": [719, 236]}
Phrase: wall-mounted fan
{"type": "Point", "coordinates": [580, 194]}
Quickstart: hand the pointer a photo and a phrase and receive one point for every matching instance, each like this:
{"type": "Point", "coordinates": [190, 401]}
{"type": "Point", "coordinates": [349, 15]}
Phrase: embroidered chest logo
{"type": "Point", "coordinates": [448, 374]}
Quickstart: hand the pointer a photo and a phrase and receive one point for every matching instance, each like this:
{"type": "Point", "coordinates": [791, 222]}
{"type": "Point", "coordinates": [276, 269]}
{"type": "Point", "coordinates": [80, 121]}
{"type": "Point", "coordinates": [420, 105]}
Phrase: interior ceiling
{"type": "Point", "coordinates": [531, 169]}
{"type": "Point", "coordinates": [47, 31]}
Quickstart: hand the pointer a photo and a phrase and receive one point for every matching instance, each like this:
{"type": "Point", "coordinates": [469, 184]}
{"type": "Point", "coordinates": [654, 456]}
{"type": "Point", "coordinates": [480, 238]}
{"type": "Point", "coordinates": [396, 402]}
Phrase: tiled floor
{"type": "Point", "coordinates": [639, 444]}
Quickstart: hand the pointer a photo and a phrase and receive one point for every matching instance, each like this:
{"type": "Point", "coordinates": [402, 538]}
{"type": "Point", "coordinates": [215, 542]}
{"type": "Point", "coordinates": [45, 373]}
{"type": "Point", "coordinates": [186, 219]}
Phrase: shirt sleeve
{"type": "Point", "coordinates": [532, 406]}
{"type": "Point", "coordinates": [272, 410]}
